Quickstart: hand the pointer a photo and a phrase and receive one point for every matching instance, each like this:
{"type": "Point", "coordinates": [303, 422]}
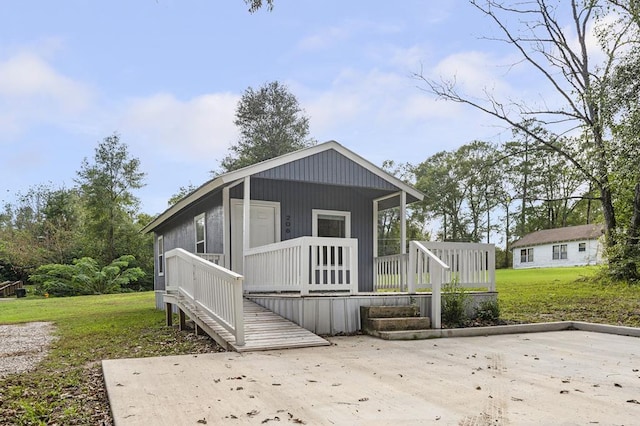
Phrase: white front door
{"type": "Point", "coordinates": [265, 228]}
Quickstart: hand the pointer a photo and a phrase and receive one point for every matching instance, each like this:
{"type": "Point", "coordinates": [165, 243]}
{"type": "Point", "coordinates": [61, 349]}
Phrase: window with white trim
{"type": "Point", "coordinates": [559, 251]}
{"type": "Point", "coordinates": [582, 246]}
{"type": "Point", "coordinates": [201, 233]}
{"type": "Point", "coordinates": [160, 255]}
{"type": "Point", "coordinates": [333, 224]}
{"type": "Point", "coordinates": [526, 255]}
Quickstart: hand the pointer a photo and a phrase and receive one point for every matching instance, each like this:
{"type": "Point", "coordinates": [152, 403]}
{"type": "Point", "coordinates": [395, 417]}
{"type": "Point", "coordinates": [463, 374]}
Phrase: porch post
{"type": "Point", "coordinates": [403, 222]}
{"type": "Point", "coordinates": [403, 236]}
{"type": "Point", "coordinates": [226, 229]}
{"type": "Point", "coordinates": [375, 244]}
{"type": "Point", "coordinates": [246, 218]}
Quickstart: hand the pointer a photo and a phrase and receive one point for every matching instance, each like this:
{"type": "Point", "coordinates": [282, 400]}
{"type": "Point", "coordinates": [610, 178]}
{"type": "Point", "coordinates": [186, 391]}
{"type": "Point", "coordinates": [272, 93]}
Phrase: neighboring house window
{"type": "Point", "coordinates": [201, 234]}
{"type": "Point", "coordinates": [582, 246]}
{"type": "Point", "coordinates": [526, 255]}
{"type": "Point", "coordinates": [160, 255]}
{"type": "Point", "coordinates": [559, 251]}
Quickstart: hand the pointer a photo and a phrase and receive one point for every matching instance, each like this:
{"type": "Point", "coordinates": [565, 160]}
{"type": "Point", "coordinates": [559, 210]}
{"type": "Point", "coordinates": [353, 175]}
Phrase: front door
{"type": "Point", "coordinates": [265, 228]}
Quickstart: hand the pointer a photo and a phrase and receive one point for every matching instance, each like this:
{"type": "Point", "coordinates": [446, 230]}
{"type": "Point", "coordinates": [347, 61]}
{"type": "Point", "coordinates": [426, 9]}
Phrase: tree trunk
{"type": "Point", "coordinates": [629, 265]}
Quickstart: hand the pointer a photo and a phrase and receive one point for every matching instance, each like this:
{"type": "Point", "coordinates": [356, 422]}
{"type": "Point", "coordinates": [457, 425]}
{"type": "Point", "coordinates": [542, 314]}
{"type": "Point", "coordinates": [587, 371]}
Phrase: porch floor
{"type": "Point", "coordinates": [264, 330]}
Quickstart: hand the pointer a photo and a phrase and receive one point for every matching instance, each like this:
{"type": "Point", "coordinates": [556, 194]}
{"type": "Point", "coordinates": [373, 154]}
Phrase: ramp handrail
{"type": "Point", "coordinates": [426, 267]}
{"type": "Point", "coordinates": [212, 288]}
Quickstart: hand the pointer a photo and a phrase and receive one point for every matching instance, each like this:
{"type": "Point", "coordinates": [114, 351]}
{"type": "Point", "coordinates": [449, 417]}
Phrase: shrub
{"type": "Point", "coordinates": [455, 301]}
{"type": "Point", "coordinates": [488, 310]}
{"type": "Point", "coordinates": [85, 276]}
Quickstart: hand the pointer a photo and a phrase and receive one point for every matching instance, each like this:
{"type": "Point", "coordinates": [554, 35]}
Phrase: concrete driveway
{"type": "Point", "coordinates": [563, 377]}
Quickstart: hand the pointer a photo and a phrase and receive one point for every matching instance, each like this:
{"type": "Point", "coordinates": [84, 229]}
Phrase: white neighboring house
{"type": "Point", "coordinates": [570, 246]}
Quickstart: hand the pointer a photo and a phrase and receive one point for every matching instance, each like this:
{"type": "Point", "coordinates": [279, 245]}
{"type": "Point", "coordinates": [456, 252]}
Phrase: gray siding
{"type": "Point", "coordinates": [328, 167]}
{"type": "Point", "coordinates": [298, 199]}
{"type": "Point", "coordinates": [179, 232]}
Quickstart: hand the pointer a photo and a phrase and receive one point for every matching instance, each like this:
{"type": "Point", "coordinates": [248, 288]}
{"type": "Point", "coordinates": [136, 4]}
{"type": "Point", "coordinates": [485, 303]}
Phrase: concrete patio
{"type": "Point", "coordinates": [561, 377]}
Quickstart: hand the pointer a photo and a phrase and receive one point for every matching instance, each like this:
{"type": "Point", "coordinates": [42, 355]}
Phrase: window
{"type": "Point", "coordinates": [582, 246]}
{"type": "Point", "coordinates": [526, 255]}
{"type": "Point", "coordinates": [560, 251]}
{"type": "Point", "coordinates": [201, 234]}
{"type": "Point", "coordinates": [160, 255]}
{"type": "Point", "coordinates": [333, 224]}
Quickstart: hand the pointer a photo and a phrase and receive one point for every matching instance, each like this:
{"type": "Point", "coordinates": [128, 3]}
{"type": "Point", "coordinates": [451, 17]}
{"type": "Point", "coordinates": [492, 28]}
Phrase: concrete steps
{"type": "Point", "coordinates": [395, 322]}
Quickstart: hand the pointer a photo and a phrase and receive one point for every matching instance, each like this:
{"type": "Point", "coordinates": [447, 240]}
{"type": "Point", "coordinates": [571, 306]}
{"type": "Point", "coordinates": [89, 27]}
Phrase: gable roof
{"type": "Point", "coordinates": [570, 233]}
{"type": "Point", "coordinates": [266, 168]}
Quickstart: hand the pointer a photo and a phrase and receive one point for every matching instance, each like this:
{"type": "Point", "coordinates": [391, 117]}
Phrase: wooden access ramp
{"type": "Point", "coordinates": [264, 330]}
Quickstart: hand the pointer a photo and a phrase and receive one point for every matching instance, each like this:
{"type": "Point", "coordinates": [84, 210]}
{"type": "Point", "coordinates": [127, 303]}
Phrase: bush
{"type": "Point", "coordinates": [455, 301]}
{"type": "Point", "coordinates": [488, 311]}
{"type": "Point", "coordinates": [85, 276]}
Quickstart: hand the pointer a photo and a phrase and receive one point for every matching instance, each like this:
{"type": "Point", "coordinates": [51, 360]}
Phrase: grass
{"type": "Point", "coordinates": [566, 294]}
{"type": "Point", "coordinates": [66, 388]}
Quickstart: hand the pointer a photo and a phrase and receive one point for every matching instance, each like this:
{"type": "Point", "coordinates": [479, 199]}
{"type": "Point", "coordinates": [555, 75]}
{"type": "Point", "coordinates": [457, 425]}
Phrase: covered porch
{"type": "Point", "coordinates": [313, 282]}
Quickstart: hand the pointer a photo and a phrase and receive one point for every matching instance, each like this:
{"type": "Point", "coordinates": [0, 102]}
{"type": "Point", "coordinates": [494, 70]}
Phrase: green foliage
{"type": "Point", "coordinates": [389, 219]}
{"type": "Point", "coordinates": [183, 191]}
{"type": "Point", "coordinates": [487, 311]}
{"type": "Point", "coordinates": [255, 5]}
{"type": "Point", "coordinates": [98, 219]}
{"type": "Point", "coordinates": [106, 186]}
{"type": "Point", "coordinates": [455, 302]}
{"type": "Point", "coordinates": [85, 276]}
{"type": "Point", "coordinates": [271, 123]}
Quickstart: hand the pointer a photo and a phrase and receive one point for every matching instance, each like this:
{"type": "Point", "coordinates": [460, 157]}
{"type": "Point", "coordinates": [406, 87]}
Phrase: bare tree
{"type": "Point", "coordinates": [560, 53]}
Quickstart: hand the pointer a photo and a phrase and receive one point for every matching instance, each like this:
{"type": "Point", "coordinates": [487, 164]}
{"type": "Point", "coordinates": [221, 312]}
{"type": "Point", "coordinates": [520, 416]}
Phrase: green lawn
{"type": "Point", "coordinates": [67, 388]}
{"type": "Point", "coordinates": [565, 294]}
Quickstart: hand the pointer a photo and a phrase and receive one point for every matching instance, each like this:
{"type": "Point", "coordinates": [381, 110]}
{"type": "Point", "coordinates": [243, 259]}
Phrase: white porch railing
{"type": "Point", "coordinates": [217, 258]}
{"type": "Point", "coordinates": [425, 267]}
{"type": "Point", "coordinates": [303, 265]}
{"type": "Point", "coordinates": [211, 288]}
{"type": "Point", "coordinates": [391, 272]}
{"type": "Point", "coordinates": [471, 265]}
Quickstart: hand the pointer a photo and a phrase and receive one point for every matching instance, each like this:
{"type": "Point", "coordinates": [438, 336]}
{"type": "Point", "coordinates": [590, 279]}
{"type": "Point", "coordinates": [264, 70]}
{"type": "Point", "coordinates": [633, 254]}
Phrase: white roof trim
{"type": "Point", "coordinates": [236, 175]}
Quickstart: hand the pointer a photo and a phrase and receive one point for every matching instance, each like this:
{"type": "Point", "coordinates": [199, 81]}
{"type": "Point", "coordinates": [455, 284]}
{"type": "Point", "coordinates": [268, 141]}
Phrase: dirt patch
{"type": "Point", "coordinates": [24, 346]}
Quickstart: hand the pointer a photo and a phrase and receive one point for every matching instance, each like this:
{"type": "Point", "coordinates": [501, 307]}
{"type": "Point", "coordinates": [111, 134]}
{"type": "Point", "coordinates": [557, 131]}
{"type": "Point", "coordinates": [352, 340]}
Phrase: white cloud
{"type": "Point", "coordinates": [474, 72]}
{"type": "Point", "coordinates": [199, 129]}
{"type": "Point", "coordinates": [33, 91]}
{"type": "Point", "coordinates": [27, 76]}
{"type": "Point", "coordinates": [323, 39]}
{"type": "Point", "coordinates": [330, 36]}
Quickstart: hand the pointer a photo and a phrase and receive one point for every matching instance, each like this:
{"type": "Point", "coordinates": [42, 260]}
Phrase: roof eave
{"type": "Point", "coordinates": [233, 176]}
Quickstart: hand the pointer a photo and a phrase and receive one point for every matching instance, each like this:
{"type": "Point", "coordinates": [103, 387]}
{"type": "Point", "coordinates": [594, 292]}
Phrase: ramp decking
{"type": "Point", "coordinates": [264, 330]}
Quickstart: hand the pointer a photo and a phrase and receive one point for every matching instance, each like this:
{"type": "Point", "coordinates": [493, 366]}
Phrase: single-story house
{"type": "Point", "coordinates": [570, 246]}
{"type": "Point", "coordinates": [298, 235]}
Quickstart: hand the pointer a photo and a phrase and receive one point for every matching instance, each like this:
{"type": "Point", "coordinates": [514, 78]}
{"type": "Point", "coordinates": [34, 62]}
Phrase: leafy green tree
{"type": "Point", "coordinates": [389, 219]}
{"type": "Point", "coordinates": [106, 186]}
{"type": "Point", "coordinates": [271, 123]}
{"type": "Point", "coordinates": [438, 177]}
{"type": "Point", "coordinates": [84, 276]}
{"type": "Point", "coordinates": [553, 39]}
{"type": "Point", "coordinates": [41, 226]}
{"type": "Point", "coordinates": [183, 191]}
{"type": "Point", "coordinates": [255, 5]}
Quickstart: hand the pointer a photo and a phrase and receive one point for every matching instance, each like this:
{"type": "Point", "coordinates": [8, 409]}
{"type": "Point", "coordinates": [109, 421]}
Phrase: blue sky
{"type": "Point", "coordinates": [167, 75]}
